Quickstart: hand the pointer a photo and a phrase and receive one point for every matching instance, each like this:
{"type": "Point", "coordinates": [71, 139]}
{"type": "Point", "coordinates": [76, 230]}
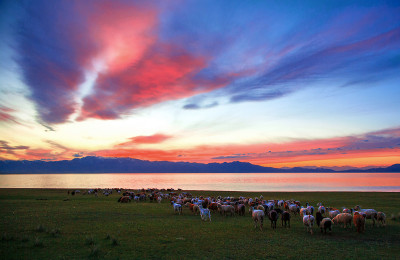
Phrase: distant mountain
{"type": "Point", "coordinates": [393, 168]}
{"type": "Point", "coordinates": [92, 164]}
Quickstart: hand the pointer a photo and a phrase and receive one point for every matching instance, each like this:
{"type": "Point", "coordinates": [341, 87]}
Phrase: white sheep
{"type": "Point", "coordinates": [293, 208]}
{"type": "Point", "coordinates": [308, 221]}
{"type": "Point", "coordinates": [333, 213]}
{"type": "Point", "coordinates": [369, 213]}
{"type": "Point", "coordinates": [177, 208]}
{"type": "Point", "coordinates": [258, 216]}
{"type": "Point", "coordinates": [204, 213]}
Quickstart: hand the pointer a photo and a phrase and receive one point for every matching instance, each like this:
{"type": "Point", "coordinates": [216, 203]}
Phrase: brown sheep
{"type": "Point", "coordinates": [343, 218]}
{"type": "Point", "coordinates": [124, 199]}
{"type": "Point", "coordinates": [359, 222]}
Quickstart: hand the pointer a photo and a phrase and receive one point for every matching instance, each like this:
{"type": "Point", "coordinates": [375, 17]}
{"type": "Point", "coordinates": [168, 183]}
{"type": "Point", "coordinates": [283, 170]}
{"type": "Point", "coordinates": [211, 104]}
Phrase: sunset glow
{"type": "Point", "coordinates": [271, 83]}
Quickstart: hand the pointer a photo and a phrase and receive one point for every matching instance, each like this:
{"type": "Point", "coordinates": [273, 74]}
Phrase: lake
{"type": "Point", "coordinates": [387, 182]}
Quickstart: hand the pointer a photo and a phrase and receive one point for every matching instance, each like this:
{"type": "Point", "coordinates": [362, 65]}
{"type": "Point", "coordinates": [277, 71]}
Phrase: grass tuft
{"type": "Point", "coordinates": [55, 232]}
{"type": "Point", "coordinates": [24, 238]}
{"type": "Point", "coordinates": [94, 251]}
{"type": "Point", "coordinates": [6, 237]}
{"type": "Point", "coordinates": [38, 242]}
{"type": "Point", "coordinates": [40, 228]}
{"type": "Point", "coordinates": [90, 240]}
{"type": "Point", "coordinates": [108, 237]}
{"type": "Point", "coordinates": [114, 242]}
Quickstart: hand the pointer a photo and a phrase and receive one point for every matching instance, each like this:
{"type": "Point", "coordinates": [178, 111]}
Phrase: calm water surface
{"type": "Point", "coordinates": [211, 181]}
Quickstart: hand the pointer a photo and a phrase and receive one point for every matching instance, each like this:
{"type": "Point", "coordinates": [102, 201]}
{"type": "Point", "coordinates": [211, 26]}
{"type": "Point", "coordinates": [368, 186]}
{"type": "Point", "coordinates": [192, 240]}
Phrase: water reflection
{"type": "Point", "coordinates": [211, 181]}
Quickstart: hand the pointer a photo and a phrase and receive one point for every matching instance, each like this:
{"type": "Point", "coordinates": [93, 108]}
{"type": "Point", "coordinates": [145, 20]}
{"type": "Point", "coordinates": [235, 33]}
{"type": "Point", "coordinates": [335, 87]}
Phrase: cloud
{"type": "Point", "coordinates": [6, 147]}
{"type": "Point", "coordinates": [144, 53]}
{"type": "Point", "coordinates": [5, 115]}
{"type": "Point", "coordinates": [159, 76]}
{"type": "Point", "coordinates": [53, 51]}
{"type": "Point", "coordinates": [230, 157]}
{"type": "Point", "coordinates": [150, 139]}
{"type": "Point", "coordinates": [194, 106]}
{"type": "Point", "coordinates": [48, 128]}
{"type": "Point", "coordinates": [380, 145]}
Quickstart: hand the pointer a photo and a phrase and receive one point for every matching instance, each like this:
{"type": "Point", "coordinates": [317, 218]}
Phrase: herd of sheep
{"type": "Point", "coordinates": [260, 209]}
{"type": "Point", "coordinates": [323, 217]}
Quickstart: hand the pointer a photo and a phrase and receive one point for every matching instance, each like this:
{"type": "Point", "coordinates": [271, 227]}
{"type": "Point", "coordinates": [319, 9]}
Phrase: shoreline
{"type": "Point", "coordinates": [199, 191]}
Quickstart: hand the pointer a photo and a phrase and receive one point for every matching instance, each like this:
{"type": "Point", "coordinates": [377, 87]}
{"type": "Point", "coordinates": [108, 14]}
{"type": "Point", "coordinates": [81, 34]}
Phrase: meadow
{"type": "Point", "coordinates": [50, 224]}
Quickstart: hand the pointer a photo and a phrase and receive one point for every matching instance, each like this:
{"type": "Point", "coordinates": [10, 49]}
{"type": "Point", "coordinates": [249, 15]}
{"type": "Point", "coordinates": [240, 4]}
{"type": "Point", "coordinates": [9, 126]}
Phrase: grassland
{"type": "Point", "coordinates": [49, 224]}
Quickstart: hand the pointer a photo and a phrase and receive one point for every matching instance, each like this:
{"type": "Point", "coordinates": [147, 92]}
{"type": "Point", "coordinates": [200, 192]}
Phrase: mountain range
{"type": "Point", "coordinates": [93, 164]}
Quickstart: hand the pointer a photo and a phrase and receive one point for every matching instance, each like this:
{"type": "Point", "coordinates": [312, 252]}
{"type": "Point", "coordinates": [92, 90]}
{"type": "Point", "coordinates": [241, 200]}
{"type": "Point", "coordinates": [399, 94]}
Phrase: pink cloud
{"type": "Point", "coordinates": [157, 77]}
{"type": "Point", "coordinates": [151, 139]}
{"type": "Point", "coordinates": [5, 115]}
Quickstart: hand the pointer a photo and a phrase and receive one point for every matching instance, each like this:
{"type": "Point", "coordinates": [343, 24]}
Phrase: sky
{"type": "Point", "coordinates": [273, 83]}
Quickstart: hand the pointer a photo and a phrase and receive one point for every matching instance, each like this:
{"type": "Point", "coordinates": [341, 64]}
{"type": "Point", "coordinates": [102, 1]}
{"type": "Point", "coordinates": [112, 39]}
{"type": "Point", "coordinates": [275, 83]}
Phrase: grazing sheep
{"type": "Point", "coordinates": [318, 218]}
{"type": "Point", "coordinates": [196, 209]}
{"type": "Point", "coordinates": [213, 206]}
{"type": "Point", "coordinates": [333, 213]}
{"type": "Point", "coordinates": [293, 208]}
{"type": "Point", "coordinates": [303, 212]}
{"type": "Point", "coordinates": [124, 199]}
{"type": "Point", "coordinates": [346, 210]}
{"type": "Point", "coordinates": [310, 210]}
{"type": "Point", "coordinates": [240, 209]}
{"type": "Point", "coordinates": [269, 206]}
{"type": "Point", "coordinates": [322, 210]}
{"type": "Point", "coordinates": [177, 208]}
{"type": "Point", "coordinates": [343, 218]}
{"type": "Point", "coordinates": [204, 213]}
{"type": "Point", "coordinates": [308, 221]}
{"type": "Point", "coordinates": [286, 205]}
{"type": "Point", "coordinates": [325, 224]}
{"type": "Point", "coordinates": [370, 213]}
{"type": "Point", "coordinates": [261, 207]}
{"type": "Point", "coordinates": [285, 218]}
{"type": "Point", "coordinates": [359, 222]}
{"type": "Point", "coordinates": [381, 218]}
{"type": "Point", "coordinates": [258, 217]}
{"type": "Point", "coordinates": [273, 216]}
{"type": "Point", "coordinates": [225, 209]}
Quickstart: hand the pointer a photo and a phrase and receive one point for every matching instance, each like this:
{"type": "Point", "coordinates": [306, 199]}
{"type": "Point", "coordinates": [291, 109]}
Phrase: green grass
{"type": "Point", "coordinates": [41, 224]}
